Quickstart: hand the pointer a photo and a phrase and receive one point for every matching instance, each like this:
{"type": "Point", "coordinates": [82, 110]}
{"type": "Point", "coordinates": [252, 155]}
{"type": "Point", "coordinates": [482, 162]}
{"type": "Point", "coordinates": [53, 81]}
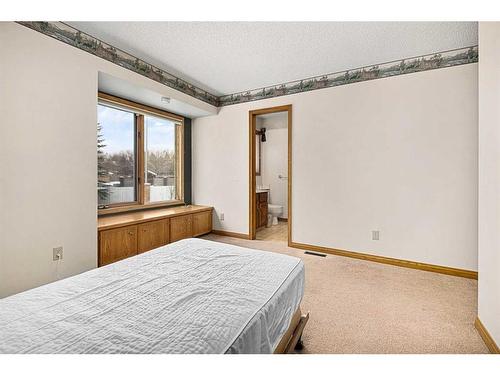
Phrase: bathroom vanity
{"type": "Point", "coordinates": [261, 203]}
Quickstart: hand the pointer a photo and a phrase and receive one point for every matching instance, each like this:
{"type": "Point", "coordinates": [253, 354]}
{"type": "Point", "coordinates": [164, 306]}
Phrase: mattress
{"type": "Point", "coordinates": [192, 296]}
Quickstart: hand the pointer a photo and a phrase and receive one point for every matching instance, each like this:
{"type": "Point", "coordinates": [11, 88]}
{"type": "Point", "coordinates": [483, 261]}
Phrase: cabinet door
{"type": "Point", "coordinates": [258, 216]}
{"type": "Point", "coordinates": [153, 234]}
{"type": "Point", "coordinates": [181, 227]}
{"type": "Point", "coordinates": [262, 214]}
{"type": "Point", "coordinates": [202, 223]}
{"type": "Point", "coordinates": [261, 209]}
{"type": "Point", "coordinates": [117, 244]}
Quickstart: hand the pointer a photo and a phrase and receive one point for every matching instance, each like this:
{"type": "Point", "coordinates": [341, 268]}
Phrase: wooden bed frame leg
{"type": "Point", "coordinates": [296, 341]}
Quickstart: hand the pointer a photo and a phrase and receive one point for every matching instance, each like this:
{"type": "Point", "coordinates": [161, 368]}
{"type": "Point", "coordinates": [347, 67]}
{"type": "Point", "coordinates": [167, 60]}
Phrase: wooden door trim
{"type": "Point", "coordinates": [251, 170]}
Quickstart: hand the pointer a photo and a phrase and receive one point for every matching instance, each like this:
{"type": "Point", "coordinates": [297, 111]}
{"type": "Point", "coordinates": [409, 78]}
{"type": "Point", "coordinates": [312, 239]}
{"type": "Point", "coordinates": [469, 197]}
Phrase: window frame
{"type": "Point", "coordinates": [141, 110]}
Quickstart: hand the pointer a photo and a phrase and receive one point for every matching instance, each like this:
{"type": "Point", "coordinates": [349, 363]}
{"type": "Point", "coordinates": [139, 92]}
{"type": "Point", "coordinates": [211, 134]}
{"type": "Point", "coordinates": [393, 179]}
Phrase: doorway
{"type": "Point", "coordinates": [270, 174]}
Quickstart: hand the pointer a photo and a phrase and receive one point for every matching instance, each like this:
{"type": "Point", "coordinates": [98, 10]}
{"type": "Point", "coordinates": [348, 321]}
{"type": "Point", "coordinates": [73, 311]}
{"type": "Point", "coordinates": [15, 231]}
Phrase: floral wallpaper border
{"type": "Point", "coordinates": [85, 42]}
{"type": "Point", "coordinates": [412, 65]}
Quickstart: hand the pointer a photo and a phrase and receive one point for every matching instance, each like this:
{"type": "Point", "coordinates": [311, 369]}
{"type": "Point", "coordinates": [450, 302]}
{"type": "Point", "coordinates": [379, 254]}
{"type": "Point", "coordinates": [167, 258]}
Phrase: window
{"type": "Point", "coordinates": [139, 156]}
{"type": "Point", "coordinates": [116, 155]}
{"type": "Point", "coordinates": [160, 159]}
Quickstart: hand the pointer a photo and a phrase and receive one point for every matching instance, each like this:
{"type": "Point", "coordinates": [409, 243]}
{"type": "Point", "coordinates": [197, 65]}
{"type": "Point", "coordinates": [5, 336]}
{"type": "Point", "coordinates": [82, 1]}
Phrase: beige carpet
{"type": "Point", "coordinates": [364, 307]}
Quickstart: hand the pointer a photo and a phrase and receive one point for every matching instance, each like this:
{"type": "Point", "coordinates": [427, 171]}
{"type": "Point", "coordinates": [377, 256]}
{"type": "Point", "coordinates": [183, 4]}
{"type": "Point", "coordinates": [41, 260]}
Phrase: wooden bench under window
{"type": "Point", "coordinates": [123, 235]}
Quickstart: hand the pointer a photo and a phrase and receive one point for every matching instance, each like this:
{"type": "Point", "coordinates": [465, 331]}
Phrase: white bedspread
{"type": "Point", "coordinates": [193, 296]}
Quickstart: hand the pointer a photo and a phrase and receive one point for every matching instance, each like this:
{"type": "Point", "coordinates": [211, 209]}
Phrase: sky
{"type": "Point", "coordinates": [118, 131]}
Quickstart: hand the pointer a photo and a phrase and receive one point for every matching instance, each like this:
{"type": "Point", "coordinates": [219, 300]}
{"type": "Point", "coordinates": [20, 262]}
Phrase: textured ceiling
{"type": "Point", "coordinates": [229, 57]}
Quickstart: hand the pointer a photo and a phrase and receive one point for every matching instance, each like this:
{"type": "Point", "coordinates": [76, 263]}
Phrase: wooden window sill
{"type": "Point", "coordinates": [137, 207]}
{"type": "Point", "coordinates": [137, 217]}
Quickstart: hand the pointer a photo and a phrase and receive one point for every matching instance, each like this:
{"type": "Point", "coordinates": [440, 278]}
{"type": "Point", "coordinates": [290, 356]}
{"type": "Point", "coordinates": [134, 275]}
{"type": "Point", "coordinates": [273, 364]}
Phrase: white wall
{"type": "Point", "coordinates": [48, 148]}
{"type": "Point", "coordinates": [48, 100]}
{"type": "Point", "coordinates": [274, 158]}
{"type": "Point", "coordinates": [397, 155]}
{"type": "Point", "coordinates": [489, 178]}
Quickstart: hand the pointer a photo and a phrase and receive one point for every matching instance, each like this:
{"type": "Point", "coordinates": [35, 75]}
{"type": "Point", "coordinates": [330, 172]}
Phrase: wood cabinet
{"type": "Point", "coordinates": [181, 227]}
{"type": "Point", "coordinates": [153, 234]}
{"type": "Point", "coordinates": [261, 209]}
{"type": "Point", "coordinates": [117, 244]}
{"type": "Point", "coordinates": [125, 235]}
{"type": "Point", "coordinates": [202, 223]}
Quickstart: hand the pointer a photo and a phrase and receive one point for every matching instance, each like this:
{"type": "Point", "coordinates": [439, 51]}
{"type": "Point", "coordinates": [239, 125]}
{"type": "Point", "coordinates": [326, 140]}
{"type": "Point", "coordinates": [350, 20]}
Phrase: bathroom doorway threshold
{"type": "Point", "coordinates": [275, 233]}
{"type": "Point", "coordinates": [252, 168]}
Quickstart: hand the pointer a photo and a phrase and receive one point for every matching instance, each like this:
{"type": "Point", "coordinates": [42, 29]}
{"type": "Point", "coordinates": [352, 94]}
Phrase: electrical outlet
{"type": "Point", "coordinates": [221, 216]}
{"type": "Point", "coordinates": [375, 235]}
{"type": "Point", "coordinates": [57, 253]}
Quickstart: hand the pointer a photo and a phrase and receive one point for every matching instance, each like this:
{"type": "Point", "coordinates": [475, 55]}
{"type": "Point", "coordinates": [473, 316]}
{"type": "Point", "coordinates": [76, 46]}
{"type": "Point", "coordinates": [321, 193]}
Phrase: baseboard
{"type": "Point", "coordinates": [283, 219]}
{"type": "Point", "coordinates": [231, 234]}
{"type": "Point", "coordinates": [485, 335]}
{"type": "Point", "coordinates": [393, 261]}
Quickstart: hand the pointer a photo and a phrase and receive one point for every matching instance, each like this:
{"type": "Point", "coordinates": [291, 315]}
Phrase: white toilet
{"type": "Point", "coordinates": [274, 210]}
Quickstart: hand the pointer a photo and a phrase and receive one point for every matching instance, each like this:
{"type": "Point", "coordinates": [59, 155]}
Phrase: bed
{"type": "Point", "coordinates": [192, 296]}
